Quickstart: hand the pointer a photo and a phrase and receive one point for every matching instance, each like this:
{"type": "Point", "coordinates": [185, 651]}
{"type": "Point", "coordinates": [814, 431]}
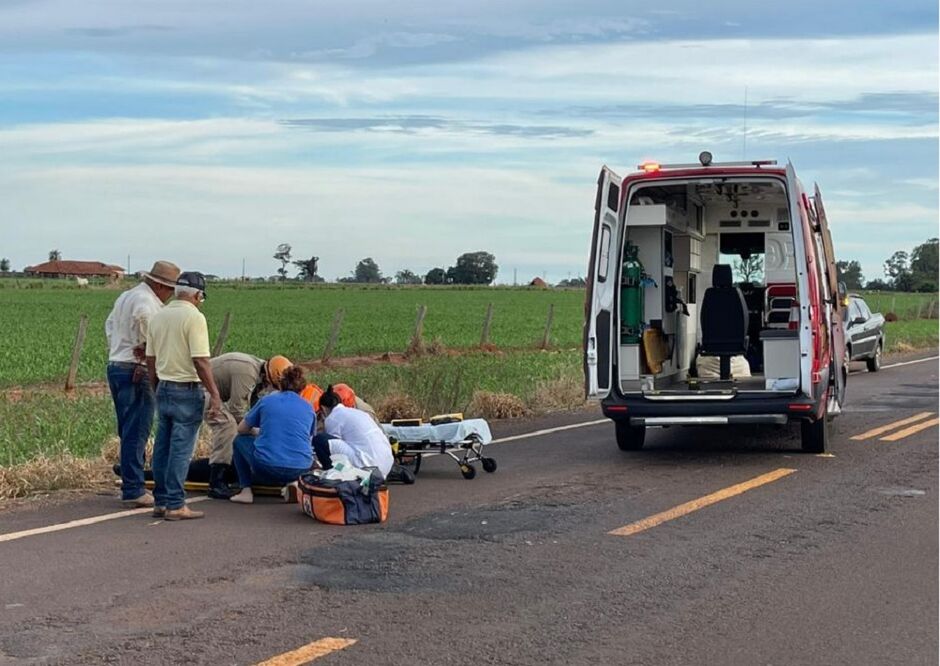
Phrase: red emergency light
{"type": "Point", "coordinates": [650, 166]}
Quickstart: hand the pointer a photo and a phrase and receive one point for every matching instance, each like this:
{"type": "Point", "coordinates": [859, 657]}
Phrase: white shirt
{"type": "Point", "coordinates": [126, 326]}
{"type": "Point", "coordinates": [364, 437]}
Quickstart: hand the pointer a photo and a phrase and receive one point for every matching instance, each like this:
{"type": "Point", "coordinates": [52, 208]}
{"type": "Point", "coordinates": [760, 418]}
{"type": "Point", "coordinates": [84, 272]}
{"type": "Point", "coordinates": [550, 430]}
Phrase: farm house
{"type": "Point", "coordinates": [69, 269]}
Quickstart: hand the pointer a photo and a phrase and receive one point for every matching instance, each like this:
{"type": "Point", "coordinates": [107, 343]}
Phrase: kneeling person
{"type": "Point", "coordinates": [353, 433]}
{"type": "Point", "coordinates": [281, 452]}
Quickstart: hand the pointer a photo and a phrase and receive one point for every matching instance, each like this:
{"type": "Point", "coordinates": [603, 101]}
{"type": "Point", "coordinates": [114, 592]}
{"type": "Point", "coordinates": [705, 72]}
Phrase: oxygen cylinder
{"type": "Point", "coordinates": [631, 296]}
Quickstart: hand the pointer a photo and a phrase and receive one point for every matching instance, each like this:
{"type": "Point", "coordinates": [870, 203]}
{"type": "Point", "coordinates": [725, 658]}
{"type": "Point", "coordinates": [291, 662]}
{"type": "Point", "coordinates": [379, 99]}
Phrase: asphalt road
{"type": "Point", "coordinates": [834, 563]}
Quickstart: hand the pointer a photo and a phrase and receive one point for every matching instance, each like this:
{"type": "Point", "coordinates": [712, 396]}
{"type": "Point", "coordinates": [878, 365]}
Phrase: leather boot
{"type": "Point", "coordinates": [218, 488]}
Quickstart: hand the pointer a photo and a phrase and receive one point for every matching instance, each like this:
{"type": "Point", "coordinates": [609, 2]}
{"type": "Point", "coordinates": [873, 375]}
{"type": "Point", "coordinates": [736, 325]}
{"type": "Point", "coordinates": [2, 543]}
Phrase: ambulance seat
{"type": "Point", "coordinates": [724, 320]}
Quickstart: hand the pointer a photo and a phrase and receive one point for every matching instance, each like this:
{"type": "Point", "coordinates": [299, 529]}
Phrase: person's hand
{"type": "Point", "coordinates": [140, 352]}
{"type": "Point", "coordinates": [215, 409]}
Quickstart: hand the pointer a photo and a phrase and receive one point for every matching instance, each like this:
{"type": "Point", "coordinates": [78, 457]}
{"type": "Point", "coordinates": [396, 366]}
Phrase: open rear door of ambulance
{"type": "Point", "coordinates": [837, 324]}
{"type": "Point", "coordinates": [602, 287]}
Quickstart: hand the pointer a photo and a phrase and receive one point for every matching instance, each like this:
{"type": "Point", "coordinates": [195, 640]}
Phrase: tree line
{"type": "Point", "coordinates": [478, 268]}
{"type": "Point", "coordinates": [914, 271]}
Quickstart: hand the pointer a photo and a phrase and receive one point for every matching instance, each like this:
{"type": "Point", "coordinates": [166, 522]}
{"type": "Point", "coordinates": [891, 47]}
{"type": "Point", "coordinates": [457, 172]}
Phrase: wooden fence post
{"type": "Point", "coordinates": [485, 336]}
{"type": "Point", "coordinates": [76, 353]}
{"type": "Point", "coordinates": [920, 307]}
{"type": "Point", "coordinates": [548, 326]}
{"type": "Point", "coordinates": [223, 335]}
{"type": "Point", "coordinates": [894, 304]}
{"type": "Point", "coordinates": [334, 334]}
{"type": "Point", "coordinates": [416, 339]}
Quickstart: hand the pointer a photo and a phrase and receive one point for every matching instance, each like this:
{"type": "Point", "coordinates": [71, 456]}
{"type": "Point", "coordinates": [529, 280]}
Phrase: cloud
{"type": "Point", "coordinates": [413, 124]}
{"type": "Point", "coordinates": [119, 31]}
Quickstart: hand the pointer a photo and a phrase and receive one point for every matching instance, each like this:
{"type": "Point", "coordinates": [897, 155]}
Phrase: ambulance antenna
{"type": "Point", "coordinates": [744, 138]}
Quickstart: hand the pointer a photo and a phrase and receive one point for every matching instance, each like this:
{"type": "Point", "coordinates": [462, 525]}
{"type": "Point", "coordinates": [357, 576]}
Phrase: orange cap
{"type": "Point", "coordinates": [346, 395]}
{"type": "Point", "coordinates": [274, 367]}
{"type": "Point", "coordinates": [311, 394]}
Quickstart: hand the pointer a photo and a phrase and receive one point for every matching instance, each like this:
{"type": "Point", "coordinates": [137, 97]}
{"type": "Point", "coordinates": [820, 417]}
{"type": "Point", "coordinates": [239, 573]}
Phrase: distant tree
{"type": "Point", "coordinates": [877, 285]}
{"type": "Point", "coordinates": [436, 276]}
{"type": "Point", "coordinates": [307, 269]}
{"type": "Point", "coordinates": [55, 255]}
{"type": "Point", "coordinates": [349, 279]}
{"type": "Point", "coordinates": [368, 271]}
{"type": "Point", "coordinates": [750, 269]}
{"type": "Point", "coordinates": [925, 265]}
{"type": "Point", "coordinates": [282, 254]}
{"type": "Point", "coordinates": [897, 271]}
{"type": "Point", "coordinates": [573, 283]}
{"type": "Point", "coordinates": [405, 276]}
{"type": "Point", "coordinates": [473, 268]}
{"type": "Point", "coordinates": [850, 272]}
{"type": "Point", "coordinates": [4, 265]}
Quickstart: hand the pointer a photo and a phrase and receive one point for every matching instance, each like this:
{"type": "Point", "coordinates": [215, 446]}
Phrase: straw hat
{"type": "Point", "coordinates": [163, 272]}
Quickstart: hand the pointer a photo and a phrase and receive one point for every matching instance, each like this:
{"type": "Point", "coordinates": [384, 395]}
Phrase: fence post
{"type": "Point", "coordinates": [548, 326]}
{"type": "Point", "coordinates": [485, 336]}
{"type": "Point", "coordinates": [416, 339]}
{"type": "Point", "coordinates": [76, 353]}
{"type": "Point", "coordinates": [894, 304]}
{"type": "Point", "coordinates": [223, 335]}
{"type": "Point", "coordinates": [334, 334]}
{"type": "Point", "coordinates": [920, 307]}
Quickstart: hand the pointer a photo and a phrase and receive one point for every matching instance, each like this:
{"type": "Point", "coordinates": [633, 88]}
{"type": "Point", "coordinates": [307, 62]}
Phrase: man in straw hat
{"type": "Point", "coordinates": [126, 328]}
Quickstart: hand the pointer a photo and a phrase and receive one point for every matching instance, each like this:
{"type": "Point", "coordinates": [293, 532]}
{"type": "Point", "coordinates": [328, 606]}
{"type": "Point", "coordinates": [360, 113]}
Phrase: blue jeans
{"type": "Point", "coordinates": [251, 471]}
{"type": "Point", "coordinates": [133, 404]}
{"type": "Point", "coordinates": [179, 410]}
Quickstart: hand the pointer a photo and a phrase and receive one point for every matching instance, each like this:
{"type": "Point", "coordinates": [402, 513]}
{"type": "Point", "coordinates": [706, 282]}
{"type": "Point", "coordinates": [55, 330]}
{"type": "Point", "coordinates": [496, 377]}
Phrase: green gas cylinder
{"type": "Point", "coordinates": [631, 296]}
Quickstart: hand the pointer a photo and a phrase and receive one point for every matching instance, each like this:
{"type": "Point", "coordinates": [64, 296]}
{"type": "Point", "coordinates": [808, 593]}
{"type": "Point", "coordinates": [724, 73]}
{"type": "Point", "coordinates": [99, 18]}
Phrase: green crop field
{"type": "Point", "coordinates": [38, 324]}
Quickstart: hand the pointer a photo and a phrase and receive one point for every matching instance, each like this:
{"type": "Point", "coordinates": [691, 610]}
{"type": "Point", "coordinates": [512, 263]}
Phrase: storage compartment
{"type": "Point", "coordinates": [781, 359]}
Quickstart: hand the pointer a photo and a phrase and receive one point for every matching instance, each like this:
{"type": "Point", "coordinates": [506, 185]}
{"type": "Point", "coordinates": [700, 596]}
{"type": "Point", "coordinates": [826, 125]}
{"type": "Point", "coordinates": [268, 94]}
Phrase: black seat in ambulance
{"type": "Point", "coordinates": [724, 320]}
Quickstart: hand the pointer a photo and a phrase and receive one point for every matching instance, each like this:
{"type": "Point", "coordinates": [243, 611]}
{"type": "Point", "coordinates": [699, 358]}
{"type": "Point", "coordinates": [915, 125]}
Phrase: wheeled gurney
{"type": "Point", "coordinates": [462, 440]}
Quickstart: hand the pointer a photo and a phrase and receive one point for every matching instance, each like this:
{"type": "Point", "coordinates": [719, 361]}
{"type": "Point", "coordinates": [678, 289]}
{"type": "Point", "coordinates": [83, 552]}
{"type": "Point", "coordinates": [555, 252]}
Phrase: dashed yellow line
{"type": "Point", "coordinates": [907, 432]}
{"type": "Point", "coordinates": [890, 426]}
{"type": "Point", "coordinates": [309, 652]}
{"type": "Point", "coordinates": [701, 502]}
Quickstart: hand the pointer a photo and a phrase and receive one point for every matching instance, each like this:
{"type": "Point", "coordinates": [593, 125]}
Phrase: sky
{"type": "Point", "coordinates": [410, 132]}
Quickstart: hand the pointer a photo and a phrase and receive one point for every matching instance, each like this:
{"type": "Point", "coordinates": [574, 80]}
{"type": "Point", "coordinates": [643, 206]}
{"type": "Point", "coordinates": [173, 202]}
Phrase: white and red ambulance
{"type": "Point", "coordinates": [712, 299]}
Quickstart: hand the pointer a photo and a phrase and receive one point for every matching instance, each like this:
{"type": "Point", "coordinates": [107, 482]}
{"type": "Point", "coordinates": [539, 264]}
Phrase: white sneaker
{"type": "Point", "coordinates": [244, 497]}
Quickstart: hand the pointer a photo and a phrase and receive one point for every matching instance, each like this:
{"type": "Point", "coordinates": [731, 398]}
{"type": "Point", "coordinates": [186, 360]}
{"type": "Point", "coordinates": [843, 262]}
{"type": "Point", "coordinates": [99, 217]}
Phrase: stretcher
{"type": "Point", "coordinates": [461, 440]}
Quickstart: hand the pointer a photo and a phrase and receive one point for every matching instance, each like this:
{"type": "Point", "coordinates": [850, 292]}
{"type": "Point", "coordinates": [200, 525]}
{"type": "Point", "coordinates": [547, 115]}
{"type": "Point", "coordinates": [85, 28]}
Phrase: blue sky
{"type": "Point", "coordinates": [209, 132]}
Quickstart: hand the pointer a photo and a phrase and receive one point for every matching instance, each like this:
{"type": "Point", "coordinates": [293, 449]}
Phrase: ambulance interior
{"type": "Point", "coordinates": [708, 289]}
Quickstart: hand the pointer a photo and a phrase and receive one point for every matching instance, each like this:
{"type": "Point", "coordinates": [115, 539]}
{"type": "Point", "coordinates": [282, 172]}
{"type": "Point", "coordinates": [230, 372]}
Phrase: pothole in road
{"type": "Point", "coordinates": [901, 492]}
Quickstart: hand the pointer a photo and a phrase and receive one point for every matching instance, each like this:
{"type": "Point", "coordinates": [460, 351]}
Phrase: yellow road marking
{"type": "Point", "coordinates": [891, 426]}
{"type": "Point", "coordinates": [308, 652]}
{"type": "Point", "coordinates": [907, 432]}
{"type": "Point", "coordinates": [82, 522]}
{"type": "Point", "coordinates": [701, 502]}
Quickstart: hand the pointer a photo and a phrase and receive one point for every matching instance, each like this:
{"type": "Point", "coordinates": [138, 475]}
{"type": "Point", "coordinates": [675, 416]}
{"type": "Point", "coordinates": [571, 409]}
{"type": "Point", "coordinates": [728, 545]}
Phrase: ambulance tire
{"type": "Point", "coordinates": [629, 437]}
{"type": "Point", "coordinates": [814, 435]}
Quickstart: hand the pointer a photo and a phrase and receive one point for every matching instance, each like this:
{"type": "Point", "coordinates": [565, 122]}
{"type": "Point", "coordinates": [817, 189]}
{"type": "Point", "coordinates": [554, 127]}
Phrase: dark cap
{"type": "Point", "coordinates": [193, 279]}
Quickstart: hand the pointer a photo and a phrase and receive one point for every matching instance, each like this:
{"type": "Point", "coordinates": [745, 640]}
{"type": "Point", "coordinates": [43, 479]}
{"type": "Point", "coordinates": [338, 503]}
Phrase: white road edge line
{"type": "Point", "coordinates": [13, 536]}
{"type": "Point", "coordinates": [82, 522]}
{"type": "Point", "coordinates": [548, 431]}
{"type": "Point", "coordinates": [920, 360]}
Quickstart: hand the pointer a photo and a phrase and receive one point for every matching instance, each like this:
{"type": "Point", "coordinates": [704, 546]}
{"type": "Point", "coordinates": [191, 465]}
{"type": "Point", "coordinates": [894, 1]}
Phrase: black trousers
{"type": "Point", "coordinates": [321, 448]}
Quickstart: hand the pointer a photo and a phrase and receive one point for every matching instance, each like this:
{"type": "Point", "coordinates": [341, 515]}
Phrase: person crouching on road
{"type": "Point", "coordinates": [242, 379]}
{"type": "Point", "coordinates": [178, 361]}
{"type": "Point", "coordinates": [353, 433]}
{"type": "Point", "coordinates": [281, 452]}
{"type": "Point", "coordinates": [126, 329]}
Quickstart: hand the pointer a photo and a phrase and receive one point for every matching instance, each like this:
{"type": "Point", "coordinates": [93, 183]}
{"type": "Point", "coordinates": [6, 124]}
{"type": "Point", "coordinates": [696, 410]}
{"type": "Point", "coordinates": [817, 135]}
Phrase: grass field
{"type": "Point", "coordinates": [38, 326]}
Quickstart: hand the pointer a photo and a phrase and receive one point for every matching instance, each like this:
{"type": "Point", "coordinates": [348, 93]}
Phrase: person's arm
{"type": "Point", "coordinates": [242, 385]}
{"type": "Point", "coordinates": [204, 370]}
{"type": "Point", "coordinates": [251, 421]}
{"type": "Point", "coordinates": [152, 371]}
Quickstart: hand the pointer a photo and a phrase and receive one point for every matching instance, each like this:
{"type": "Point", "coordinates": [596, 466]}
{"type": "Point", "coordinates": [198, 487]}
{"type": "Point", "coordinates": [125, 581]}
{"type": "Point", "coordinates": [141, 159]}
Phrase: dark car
{"type": "Point", "coordinates": [864, 334]}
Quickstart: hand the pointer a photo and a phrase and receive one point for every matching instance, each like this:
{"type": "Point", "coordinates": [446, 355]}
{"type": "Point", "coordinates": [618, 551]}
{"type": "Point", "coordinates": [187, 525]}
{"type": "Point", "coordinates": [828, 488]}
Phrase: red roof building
{"type": "Point", "coordinates": [66, 269]}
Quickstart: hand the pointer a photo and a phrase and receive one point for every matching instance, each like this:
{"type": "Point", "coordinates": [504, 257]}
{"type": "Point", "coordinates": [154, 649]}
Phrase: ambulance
{"type": "Point", "coordinates": [713, 299]}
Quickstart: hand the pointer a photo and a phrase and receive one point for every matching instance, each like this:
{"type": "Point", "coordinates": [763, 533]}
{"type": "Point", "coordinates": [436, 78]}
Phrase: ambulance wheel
{"type": "Point", "coordinates": [489, 464]}
{"type": "Point", "coordinates": [874, 363]}
{"type": "Point", "coordinates": [629, 438]}
{"type": "Point", "coordinates": [468, 471]}
{"type": "Point", "coordinates": [814, 435]}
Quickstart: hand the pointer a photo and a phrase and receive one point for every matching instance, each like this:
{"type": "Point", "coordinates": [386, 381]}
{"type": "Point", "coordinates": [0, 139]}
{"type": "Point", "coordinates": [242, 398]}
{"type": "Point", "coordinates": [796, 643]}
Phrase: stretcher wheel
{"type": "Point", "coordinates": [407, 476]}
{"type": "Point", "coordinates": [489, 464]}
{"type": "Point", "coordinates": [410, 462]}
{"type": "Point", "coordinates": [468, 471]}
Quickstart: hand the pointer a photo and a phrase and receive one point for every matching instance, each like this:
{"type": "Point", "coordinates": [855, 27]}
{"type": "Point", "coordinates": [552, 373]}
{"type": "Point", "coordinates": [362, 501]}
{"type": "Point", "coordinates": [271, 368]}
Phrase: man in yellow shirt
{"type": "Point", "coordinates": [178, 361]}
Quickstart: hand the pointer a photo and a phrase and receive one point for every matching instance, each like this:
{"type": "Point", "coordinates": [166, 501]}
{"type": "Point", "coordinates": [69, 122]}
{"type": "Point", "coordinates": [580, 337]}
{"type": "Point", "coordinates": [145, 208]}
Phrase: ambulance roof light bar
{"type": "Point", "coordinates": [705, 160]}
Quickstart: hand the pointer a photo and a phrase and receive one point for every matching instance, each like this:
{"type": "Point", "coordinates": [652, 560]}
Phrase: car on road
{"type": "Point", "coordinates": [864, 333]}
